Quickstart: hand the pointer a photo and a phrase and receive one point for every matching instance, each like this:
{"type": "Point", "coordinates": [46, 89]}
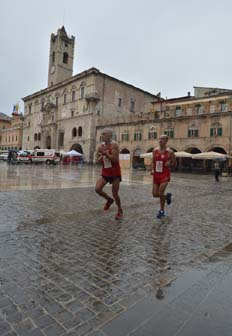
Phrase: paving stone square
{"type": "Point", "coordinates": [69, 268]}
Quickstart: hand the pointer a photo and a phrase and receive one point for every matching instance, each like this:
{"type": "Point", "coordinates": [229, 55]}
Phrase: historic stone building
{"type": "Point", "coordinates": [195, 124]}
{"type": "Point", "coordinates": [66, 113]}
{"type": "Point", "coordinates": [5, 121]}
{"type": "Point", "coordinates": [11, 131]}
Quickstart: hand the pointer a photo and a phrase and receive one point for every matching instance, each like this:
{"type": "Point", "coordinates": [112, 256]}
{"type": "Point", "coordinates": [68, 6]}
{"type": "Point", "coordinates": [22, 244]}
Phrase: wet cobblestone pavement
{"type": "Point", "coordinates": [68, 268]}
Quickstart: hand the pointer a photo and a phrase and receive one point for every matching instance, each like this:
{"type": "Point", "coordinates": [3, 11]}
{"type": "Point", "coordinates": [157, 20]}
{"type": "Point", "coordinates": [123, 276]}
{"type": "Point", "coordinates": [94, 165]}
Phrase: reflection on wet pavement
{"type": "Point", "coordinates": [67, 267]}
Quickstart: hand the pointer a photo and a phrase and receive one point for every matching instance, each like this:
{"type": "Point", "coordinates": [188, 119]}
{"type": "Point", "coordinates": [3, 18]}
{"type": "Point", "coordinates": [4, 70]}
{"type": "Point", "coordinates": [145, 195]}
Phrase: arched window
{"type": "Point", "coordinates": [35, 136]}
{"type": "Point", "coordinates": [65, 98]}
{"type": "Point", "coordinates": [73, 96]}
{"type": "Point", "coordinates": [79, 131]}
{"type": "Point", "coordinates": [65, 58]}
{"type": "Point", "coordinates": [53, 57]}
{"type": "Point", "coordinates": [74, 132]}
{"type": "Point", "coordinates": [82, 93]}
{"type": "Point", "coordinates": [39, 136]}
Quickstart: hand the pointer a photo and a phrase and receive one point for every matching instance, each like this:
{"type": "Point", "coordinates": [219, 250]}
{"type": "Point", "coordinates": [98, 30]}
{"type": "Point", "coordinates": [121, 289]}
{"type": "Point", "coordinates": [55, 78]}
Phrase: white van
{"type": "Point", "coordinates": [4, 155]}
{"type": "Point", "coordinates": [49, 156]}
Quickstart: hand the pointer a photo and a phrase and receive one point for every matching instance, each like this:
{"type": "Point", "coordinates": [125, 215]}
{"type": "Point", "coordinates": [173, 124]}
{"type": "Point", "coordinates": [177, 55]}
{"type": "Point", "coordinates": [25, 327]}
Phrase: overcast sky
{"type": "Point", "coordinates": [168, 45]}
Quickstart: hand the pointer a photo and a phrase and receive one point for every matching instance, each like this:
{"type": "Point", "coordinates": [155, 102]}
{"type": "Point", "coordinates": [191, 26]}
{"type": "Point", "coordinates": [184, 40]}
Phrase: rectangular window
{"type": "Point", "coordinates": [119, 102]}
{"type": "Point", "coordinates": [57, 100]}
{"type": "Point", "coordinates": [223, 107]}
{"type": "Point", "coordinates": [199, 109]}
{"type": "Point", "coordinates": [125, 137]}
{"type": "Point", "coordinates": [30, 109]}
{"type": "Point", "coordinates": [137, 136]}
{"type": "Point", "coordinates": [152, 135]}
{"type": "Point", "coordinates": [72, 113]}
{"type": "Point", "coordinates": [61, 139]}
{"type": "Point", "coordinates": [114, 137]}
{"type": "Point", "coordinates": [169, 133]}
{"type": "Point", "coordinates": [82, 92]}
{"type": "Point", "coordinates": [192, 133]}
{"type": "Point", "coordinates": [189, 111]}
{"type": "Point", "coordinates": [178, 111]}
{"type": "Point", "coordinates": [212, 108]}
{"type": "Point", "coordinates": [216, 131]}
{"type": "Point", "coordinates": [132, 105]}
{"type": "Point", "coordinates": [65, 98]}
{"type": "Point", "coordinates": [73, 96]}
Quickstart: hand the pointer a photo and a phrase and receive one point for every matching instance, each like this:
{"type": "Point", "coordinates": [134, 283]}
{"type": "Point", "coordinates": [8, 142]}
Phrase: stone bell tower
{"type": "Point", "coordinates": [60, 57]}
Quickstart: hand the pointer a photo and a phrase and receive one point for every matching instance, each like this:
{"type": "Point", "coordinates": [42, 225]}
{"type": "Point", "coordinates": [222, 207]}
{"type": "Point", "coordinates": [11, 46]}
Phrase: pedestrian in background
{"type": "Point", "coordinates": [216, 170]}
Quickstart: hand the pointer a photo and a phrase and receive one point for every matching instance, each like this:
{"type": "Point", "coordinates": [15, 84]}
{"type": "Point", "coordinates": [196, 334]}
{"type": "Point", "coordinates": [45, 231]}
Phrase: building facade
{"type": "Point", "coordinates": [11, 131]}
{"type": "Point", "coordinates": [65, 115]}
{"type": "Point", "coordinates": [195, 124]}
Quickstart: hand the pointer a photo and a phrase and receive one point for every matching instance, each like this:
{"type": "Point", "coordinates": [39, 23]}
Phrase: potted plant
{"type": "Point", "coordinates": [225, 172]}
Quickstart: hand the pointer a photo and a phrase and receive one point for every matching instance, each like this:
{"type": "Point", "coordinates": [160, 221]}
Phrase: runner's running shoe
{"type": "Point", "coordinates": [169, 198]}
{"type": "Point", "coordinates": [119, 215]}
{"type": "Point", "coordinates": [160, 214]}
{"type": "Point", "coordinates": [108, 204]}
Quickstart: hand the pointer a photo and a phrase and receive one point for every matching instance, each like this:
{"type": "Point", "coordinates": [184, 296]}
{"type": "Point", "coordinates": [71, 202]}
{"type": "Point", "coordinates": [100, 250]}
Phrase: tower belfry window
{"type": "Point", "coordinates": [65, 58]}
{"type": "Point", "coordinates": [53, 57]}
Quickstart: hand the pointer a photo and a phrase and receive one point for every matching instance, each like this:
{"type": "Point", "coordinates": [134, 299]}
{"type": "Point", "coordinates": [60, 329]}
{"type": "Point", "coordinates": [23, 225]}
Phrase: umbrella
{"type": "Point", "coordinates": [177, 154]}
{"type": "Point", "coordinates": [146, 155]}
{"type": "Point", "coordinates": [73, 153]}
{"type": "Point", "coordinates": [211, 156]}
{"type": "Point", "coordinates": [183, 154]}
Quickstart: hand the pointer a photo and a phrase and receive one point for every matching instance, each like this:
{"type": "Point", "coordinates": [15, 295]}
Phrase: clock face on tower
{"type": "Point", "coordinates": [53, 68]}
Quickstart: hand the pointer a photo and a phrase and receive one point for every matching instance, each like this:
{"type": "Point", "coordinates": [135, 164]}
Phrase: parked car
{"type": "Point", "coordinates": [49, 156]}
{"type": "Point", "coordinates": [4, 155]}
{"type": "Point", "coordinates": [24, 157]}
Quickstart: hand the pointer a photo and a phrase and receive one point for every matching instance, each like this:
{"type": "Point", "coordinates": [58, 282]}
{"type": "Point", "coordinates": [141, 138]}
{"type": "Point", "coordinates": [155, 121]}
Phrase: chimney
{"type": "Point", "coordinates": [189, 93]}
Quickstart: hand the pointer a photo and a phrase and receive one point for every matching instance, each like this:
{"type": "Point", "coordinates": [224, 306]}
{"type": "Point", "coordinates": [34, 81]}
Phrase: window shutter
{"type": "Point", "coordinates": [196, 133]}
{"type": "Point", "coordinates": [189, 133]}
{"type": "Point", "coordinates": [171, 134]}
{"type": "Point", "coordinates": [211, 132]}
{"type": "Point", "coordinates": [220, 131]}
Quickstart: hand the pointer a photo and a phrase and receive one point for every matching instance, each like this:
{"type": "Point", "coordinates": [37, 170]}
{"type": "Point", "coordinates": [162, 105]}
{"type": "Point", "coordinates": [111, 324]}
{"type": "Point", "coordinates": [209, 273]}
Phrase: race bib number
{"type": "Point", "coordinates": [159, 166]}
{"type": "Point", "coordinates": [107, 162]}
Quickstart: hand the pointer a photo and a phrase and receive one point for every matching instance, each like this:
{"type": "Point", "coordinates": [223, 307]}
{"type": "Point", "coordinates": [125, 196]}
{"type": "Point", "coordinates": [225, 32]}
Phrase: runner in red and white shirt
{"type": "Point", "coordinates": [108, 155]}
{"type": "Point", "coordinates": [163, 159]}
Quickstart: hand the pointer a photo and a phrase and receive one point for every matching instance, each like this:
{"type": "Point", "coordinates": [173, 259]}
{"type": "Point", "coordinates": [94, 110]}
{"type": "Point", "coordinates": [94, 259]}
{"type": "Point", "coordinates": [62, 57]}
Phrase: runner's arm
{"type": "Point", "coordinates": [99, 155]}
{"type": "Point", "coordinates": [152, 164]}
{"type": "Point", "coordinates": [172, 159]}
